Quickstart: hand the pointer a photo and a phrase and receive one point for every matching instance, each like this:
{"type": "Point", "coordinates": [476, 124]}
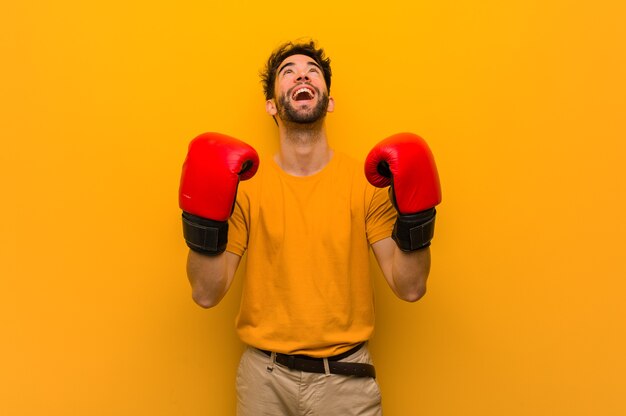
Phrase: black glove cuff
{"type": "Point", "coordinates": [203, 235]}
{"type": "Point", "coordinates": [414, 231]}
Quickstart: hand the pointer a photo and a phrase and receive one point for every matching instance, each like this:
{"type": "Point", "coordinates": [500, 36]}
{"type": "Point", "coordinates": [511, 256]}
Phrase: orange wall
{"type": "Point", "coordinates": [523, 104]}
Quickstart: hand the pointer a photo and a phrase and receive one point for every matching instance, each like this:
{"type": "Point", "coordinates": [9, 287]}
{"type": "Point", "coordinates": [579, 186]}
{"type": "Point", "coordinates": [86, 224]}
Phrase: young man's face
{"type": "Point", "coordinates": [300, 91]}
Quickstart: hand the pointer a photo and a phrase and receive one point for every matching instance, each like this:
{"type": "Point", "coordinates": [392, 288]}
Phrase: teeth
{"type": "Point", "coordinates": [303, 89]}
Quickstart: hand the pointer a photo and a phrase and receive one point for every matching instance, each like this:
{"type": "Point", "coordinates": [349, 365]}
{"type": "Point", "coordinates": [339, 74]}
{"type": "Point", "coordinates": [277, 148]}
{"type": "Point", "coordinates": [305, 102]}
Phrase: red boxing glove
{"type": "Point", "coordinates": [405, 162]}
{"type": "Point", "coordinates": [211, 173]}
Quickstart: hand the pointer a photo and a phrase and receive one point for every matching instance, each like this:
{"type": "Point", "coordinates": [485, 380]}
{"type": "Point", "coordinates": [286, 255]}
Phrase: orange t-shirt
{"type": "Point", "coordinates": [307, 287]}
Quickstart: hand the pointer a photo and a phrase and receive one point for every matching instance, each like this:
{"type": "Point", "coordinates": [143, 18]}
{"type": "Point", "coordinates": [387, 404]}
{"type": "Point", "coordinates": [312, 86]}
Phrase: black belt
{"type": "Point", "coordinates": [316, 365]}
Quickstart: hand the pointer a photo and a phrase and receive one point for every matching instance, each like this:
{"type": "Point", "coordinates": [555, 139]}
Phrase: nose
{"type": "Point", "coordinates": [302, 77]}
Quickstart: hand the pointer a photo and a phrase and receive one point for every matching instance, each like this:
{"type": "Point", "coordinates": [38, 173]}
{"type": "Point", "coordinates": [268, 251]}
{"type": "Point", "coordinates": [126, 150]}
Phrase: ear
{"type": "Point", "coordinates": [331, 105]}
{"type": "Point", "coordinates": [270, 107]}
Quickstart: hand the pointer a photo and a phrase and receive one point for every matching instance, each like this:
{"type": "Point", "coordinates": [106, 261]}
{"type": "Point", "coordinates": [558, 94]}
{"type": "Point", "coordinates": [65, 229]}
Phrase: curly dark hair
{"type": "Point", "coordinates": [268, 75]}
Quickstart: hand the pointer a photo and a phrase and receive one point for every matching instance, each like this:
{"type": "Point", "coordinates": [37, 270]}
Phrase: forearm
{"type": "Point", "coordinates": [405, 272]}
{"type": "Point", "coordinates": [210, 276]}
{"type": "Point", "coordinates": [410, 272]}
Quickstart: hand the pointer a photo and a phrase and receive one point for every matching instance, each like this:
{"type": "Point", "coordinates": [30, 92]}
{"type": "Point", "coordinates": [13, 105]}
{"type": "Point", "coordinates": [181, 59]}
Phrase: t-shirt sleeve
{"type": "Point", "coordinates": [380, 216]}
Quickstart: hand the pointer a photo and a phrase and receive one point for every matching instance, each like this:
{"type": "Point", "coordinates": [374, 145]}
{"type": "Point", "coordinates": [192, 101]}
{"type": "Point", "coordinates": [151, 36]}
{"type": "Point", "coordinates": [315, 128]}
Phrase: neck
{"type": "Point", "coordinates": [304, 149]}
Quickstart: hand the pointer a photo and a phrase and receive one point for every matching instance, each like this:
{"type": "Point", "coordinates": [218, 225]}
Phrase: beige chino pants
{"type": "Point", "coordinates": [265, 388]}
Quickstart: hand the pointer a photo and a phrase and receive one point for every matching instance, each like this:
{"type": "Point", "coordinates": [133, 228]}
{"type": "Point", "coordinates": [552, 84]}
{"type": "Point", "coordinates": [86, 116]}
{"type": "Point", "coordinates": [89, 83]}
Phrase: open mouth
{"type": "Point", "coordinates": [303, 94]}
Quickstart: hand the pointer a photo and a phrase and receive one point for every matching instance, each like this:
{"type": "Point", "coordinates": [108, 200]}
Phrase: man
{"type": "Point", "coordinates": [307, 221]}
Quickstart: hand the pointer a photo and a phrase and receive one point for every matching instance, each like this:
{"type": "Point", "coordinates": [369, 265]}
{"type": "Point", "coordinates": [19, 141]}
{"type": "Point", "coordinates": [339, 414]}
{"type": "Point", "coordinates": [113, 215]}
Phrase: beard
{"type": "Point", "coordinates": [288, 113]}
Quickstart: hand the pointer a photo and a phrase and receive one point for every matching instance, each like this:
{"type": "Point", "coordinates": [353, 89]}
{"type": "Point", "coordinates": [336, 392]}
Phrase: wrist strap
{"type": "Point", "coordinates": [204, 235]}
{"type": "Point", "coordinates": [414, 232]}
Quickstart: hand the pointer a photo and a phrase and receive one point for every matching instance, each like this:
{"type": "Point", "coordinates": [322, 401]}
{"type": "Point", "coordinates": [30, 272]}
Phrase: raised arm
{"type": "Point", "coordinates": [211, 173]}
{"type": "Point", "coordinates": [405, 163]}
